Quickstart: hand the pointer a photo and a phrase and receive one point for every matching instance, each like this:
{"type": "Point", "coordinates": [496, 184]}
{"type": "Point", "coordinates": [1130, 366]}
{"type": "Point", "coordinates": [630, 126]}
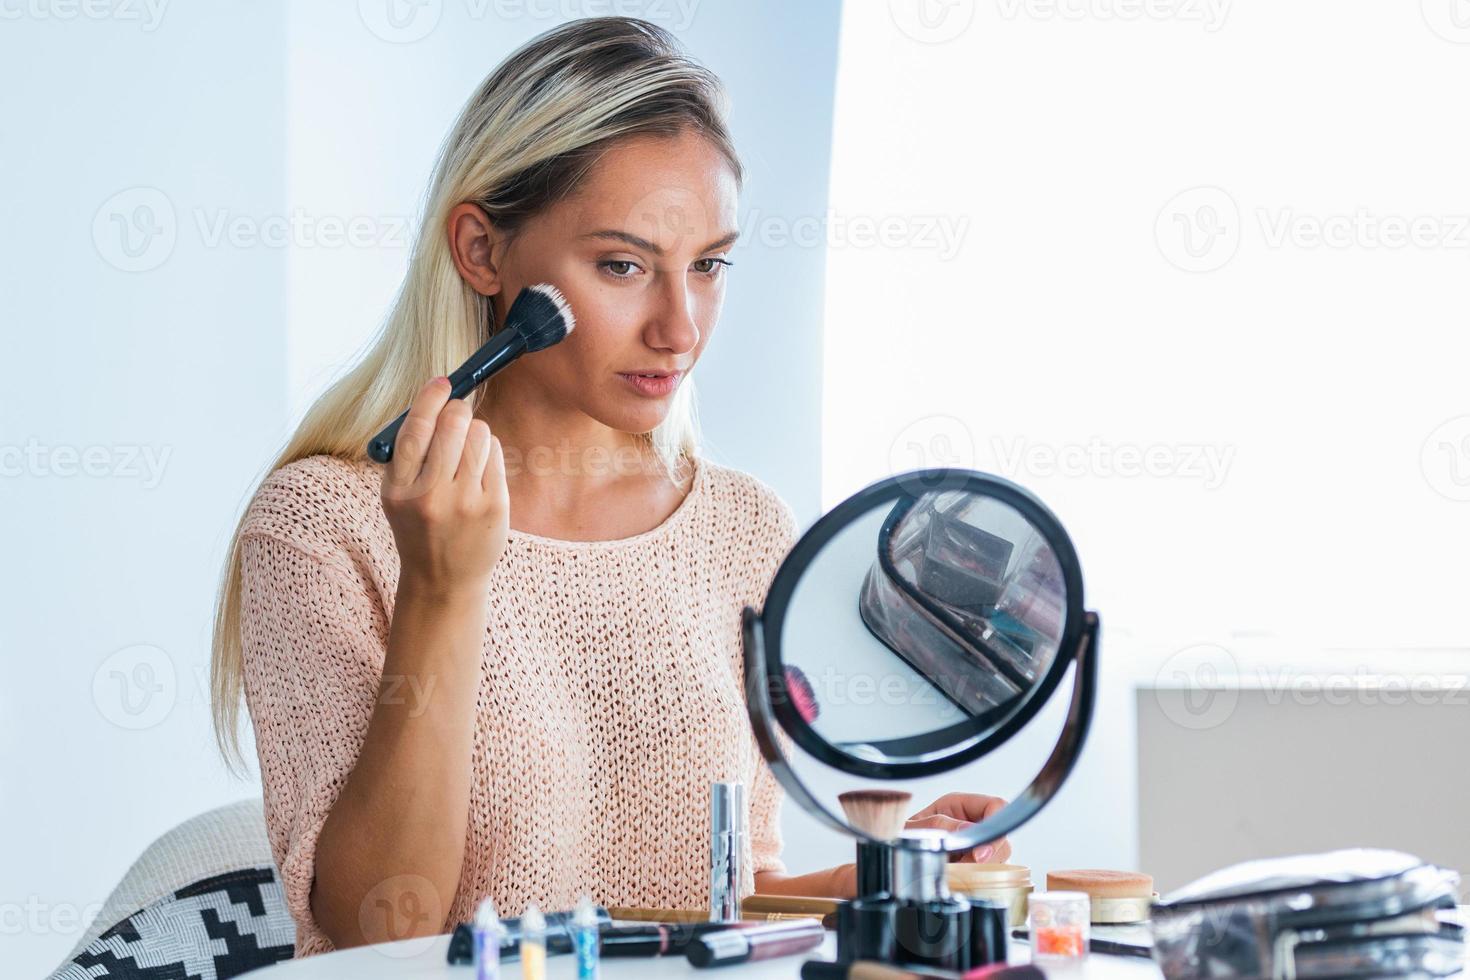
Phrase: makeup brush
{"type": "Point", "coordinates": [802, 695]}
{"type": "Point", "coordinates": [538, 318]}
{"type": "Point", "coordinates": [878, 813]}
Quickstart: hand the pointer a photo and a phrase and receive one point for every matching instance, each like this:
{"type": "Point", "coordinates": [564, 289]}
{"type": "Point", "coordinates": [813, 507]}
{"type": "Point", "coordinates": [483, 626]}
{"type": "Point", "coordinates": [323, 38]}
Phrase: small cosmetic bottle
{"type": "Point", "coordinates": [533, 944]}
{"type": "Point", "coordinates": [727, 831]}
{"type": "Point", "coordinates": [487, 941]}
{"type": "Point", "coordinates": [1059, 925]}
{"type": "Point", "coordinates": [586, 939]}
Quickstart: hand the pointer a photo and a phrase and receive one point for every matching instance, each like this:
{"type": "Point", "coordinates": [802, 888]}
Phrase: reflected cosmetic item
{"type": "Point", "coordinates": [747, 943]}
{"type": "Point", "coordinates": [727, 832]}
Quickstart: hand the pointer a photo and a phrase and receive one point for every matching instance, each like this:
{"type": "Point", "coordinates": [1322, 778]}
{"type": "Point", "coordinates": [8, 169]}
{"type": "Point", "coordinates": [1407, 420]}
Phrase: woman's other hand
{"type": "Point", "coordinates": [956, 811]}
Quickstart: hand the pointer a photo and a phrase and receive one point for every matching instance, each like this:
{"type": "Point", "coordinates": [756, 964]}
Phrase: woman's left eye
{"type": "Point", "coordinates": [715, 270]}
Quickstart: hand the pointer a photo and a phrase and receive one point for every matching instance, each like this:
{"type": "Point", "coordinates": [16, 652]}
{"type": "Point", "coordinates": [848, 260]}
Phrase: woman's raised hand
{"type": "Point", "coordinates": [445, 495]}
{"type": "Point", "coordinates": [955, 812]}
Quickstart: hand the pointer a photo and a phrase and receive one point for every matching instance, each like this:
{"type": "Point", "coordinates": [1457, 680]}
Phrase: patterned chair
{"type": "Point", "coordinates": [202, 903]}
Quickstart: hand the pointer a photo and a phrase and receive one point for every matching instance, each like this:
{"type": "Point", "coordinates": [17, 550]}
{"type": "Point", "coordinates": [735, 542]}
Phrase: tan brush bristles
{"type": "Point", "coordinates": [876, 812]}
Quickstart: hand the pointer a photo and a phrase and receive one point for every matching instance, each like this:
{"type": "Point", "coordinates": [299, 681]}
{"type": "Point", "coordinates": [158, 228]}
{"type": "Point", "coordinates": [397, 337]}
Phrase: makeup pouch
{"type": "Point", "coordinates": [960, 581]}
{"type": "Point", "coordinates": [1353, 913]}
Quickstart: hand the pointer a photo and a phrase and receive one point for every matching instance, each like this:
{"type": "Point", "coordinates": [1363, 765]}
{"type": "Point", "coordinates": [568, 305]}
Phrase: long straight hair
{"type": "Point", "coordinates": [526, 139]}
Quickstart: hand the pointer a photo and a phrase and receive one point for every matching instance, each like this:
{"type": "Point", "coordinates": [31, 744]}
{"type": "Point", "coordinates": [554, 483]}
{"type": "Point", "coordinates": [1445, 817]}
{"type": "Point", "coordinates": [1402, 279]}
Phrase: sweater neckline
{"type": "Point", "coordinates": [696, 489]}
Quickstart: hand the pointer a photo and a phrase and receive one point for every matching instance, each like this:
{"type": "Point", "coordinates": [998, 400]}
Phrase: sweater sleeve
{"type": "Point", "coordinates": [766, 793]}
{"type": "Point", "coordinates": [314, 639]}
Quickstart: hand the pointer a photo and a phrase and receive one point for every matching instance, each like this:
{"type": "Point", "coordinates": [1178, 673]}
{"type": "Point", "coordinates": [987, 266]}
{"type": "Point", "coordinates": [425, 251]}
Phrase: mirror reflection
{"type": "Point", "coordinates": [922, 623]}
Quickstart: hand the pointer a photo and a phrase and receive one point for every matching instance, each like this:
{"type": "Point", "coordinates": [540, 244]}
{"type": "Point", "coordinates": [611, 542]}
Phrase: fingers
{"type": "Point", "coordinates": [493, 479]}
{"type": "Point", "coordinates": [448, 444]}
{"type": "Point", "coordinates": [476, 454]}
{"type": "Point", "coordinates": [967, 806]}
{"type": "Point", "coordinates": [417, 432]}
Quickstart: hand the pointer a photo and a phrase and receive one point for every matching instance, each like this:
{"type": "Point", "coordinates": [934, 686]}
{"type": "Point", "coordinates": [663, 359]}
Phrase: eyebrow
{"type": "Point", "coordinates": [629, 238]}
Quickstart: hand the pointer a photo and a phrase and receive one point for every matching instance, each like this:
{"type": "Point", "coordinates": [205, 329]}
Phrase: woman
{"type": "Point", "coordinates": [449, 705]}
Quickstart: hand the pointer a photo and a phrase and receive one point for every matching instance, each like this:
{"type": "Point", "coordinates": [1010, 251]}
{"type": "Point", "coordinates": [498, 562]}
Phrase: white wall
{"type": "Point", "coordinates": [1246, 403]}
{"type": "Point", "coordinates": [248, 129]}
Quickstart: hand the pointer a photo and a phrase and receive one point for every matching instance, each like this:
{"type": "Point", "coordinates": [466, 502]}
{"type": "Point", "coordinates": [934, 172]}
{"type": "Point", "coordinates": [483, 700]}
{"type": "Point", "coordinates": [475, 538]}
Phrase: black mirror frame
{"type": "Point", "coordinates": [893, 488]}
{"type": "Point", "coordinates": [767, 697]}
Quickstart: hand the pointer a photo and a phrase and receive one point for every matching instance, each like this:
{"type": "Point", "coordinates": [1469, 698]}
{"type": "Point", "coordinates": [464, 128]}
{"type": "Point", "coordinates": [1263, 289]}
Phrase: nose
{"type": "Point", "coordinates": [671, 326]}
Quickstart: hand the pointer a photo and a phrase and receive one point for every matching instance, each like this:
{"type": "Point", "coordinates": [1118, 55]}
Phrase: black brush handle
{"type": "Point", "coordinates": [497, 352]}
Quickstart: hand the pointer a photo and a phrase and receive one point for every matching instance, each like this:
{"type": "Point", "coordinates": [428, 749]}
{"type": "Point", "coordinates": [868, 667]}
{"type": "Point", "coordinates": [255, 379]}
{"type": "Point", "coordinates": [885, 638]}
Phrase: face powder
{"type": "Point", "coordinates": [1009, 883]}
{"type": "Point", "coordinates": [1117, 897]}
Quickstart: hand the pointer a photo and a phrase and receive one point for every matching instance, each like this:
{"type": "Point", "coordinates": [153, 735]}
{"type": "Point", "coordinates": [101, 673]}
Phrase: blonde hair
{"type": "Point", "coordinates": [527, 138]}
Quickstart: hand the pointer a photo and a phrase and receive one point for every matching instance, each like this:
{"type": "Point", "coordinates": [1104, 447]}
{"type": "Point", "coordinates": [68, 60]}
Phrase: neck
{"type": "Point", "coordinates": [559, 453]}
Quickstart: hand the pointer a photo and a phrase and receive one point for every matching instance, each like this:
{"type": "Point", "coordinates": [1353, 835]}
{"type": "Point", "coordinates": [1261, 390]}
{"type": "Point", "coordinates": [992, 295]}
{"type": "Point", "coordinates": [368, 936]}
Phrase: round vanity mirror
{"type": "Point", "coordinates": [916, 627]}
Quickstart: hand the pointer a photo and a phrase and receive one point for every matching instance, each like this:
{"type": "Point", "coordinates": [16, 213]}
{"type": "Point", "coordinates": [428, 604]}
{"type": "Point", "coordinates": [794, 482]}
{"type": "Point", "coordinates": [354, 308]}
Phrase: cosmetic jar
{"type": "Point", "coordinates": [1009, 883]}
{"type": "Point", "coordinates": [1117, 897]}
{"type": "Point", "coordinates": [1059, 925]}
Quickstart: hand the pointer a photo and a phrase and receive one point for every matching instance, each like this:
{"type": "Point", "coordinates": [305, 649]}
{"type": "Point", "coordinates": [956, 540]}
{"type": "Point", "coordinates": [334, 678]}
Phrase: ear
{"type": "Point", "coordinates": [477, 247]}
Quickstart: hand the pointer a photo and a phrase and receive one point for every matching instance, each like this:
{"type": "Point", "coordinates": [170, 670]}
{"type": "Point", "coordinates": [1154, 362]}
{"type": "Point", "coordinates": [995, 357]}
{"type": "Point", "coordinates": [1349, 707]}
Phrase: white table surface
{"type": "Point", "coordinates": [424, 959]}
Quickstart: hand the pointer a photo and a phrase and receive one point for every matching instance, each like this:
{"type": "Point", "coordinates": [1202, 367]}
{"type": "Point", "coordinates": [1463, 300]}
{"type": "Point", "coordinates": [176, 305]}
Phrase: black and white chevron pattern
{"type": "Point", "coordinates": [214, 929]}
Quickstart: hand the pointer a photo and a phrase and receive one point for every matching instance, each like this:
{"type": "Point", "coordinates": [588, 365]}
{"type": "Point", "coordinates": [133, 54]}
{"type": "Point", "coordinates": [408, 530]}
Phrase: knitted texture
{"type": "Point", "coordinates": [610, 692]}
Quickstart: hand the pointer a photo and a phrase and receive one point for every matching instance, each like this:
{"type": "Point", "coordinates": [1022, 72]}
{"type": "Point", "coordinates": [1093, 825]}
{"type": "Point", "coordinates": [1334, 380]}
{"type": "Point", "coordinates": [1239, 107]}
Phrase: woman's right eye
{"type": "Point", "coordinates": [608, 266]}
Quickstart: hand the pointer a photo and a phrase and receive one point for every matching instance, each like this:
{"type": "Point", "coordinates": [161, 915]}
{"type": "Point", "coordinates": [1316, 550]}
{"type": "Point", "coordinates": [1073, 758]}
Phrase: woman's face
{"type": "Point", "coordinates": [639, 252]}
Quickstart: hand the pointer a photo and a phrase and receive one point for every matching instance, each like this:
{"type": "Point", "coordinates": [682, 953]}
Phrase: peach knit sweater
{"type": "Point", "coordinates": [610, 692]}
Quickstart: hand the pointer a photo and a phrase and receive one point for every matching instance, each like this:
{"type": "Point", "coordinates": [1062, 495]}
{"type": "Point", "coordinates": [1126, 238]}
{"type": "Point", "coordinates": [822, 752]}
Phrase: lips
{"type": "Point", "coordinates": [654, 384]}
